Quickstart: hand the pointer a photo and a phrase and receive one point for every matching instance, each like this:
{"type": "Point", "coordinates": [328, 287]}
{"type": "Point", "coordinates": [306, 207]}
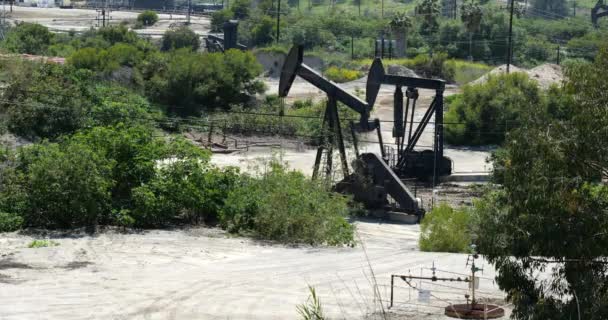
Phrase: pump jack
{"type": "Point", "coordinates": [600, 10]}
{"type": "Point", "coordinates": [381, 180]}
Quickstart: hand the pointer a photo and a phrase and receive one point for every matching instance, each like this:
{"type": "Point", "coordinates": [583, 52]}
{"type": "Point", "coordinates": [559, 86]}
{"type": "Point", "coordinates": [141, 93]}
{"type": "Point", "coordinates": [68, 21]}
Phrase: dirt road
{"type": "Point", "coordinates": [206, 274]}
{"type": "Point", "coordinates": [64, 20]}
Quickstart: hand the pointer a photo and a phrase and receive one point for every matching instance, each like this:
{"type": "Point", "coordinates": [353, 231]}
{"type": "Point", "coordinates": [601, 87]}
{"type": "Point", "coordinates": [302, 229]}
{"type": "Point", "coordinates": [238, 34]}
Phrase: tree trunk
{"type": "Point", "coordinates": [400, 37]}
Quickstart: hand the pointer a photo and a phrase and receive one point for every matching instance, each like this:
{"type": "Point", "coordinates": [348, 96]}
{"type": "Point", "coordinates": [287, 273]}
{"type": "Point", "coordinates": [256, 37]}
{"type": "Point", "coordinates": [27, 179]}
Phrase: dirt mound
{"type": "Point", "coordinates": [546, 74]}
{"type": "Point", "coordinates": [400, 70]}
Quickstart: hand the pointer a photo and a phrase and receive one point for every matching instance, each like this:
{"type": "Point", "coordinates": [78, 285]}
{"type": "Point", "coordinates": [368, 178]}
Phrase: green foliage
{"type": "Point", "coordinates": [284, 205]}
{"type": "Point", "coordinates": [218, 18]}
{"type": "Point", "coordinates": [446, 230]}
{"type": "Point", "coordinates": [262, 32]}
{"type": "Point", "coordinates": [29, 38]}
{"type": "Point", "coordinates": [240, 8]}
{"type": "Point", "coordinates": [463, 72]}
{"type": "Point", "coordinates": [147, 18]}
{"type": "Point", "coordinates": [46, 100]}
{"type": "Point", "coordinates": [312, 309]}
{"type": "Point", "coordinates": [106, 61]}
{"type": "Point", "coordinates": [185, 190]}
{"type": "Point", "coordinates": [340, 75]}
{"type": "Point", "coordinates": [42, 244]}
{"type": "Point", "coordinates": [191, 82]}
{"type": "Point", "coordinates": [182, 37]}
{"type": "Point", "coordinates": [486, 110]}
{"type": "Point", "coordinates": [10, 222]}
{"type": "Point", "coordinates": [67, 185]}
{"type": "Point", "coordinates": [49, 100]}
{"type": "Point", "coordinates": [553, 206]}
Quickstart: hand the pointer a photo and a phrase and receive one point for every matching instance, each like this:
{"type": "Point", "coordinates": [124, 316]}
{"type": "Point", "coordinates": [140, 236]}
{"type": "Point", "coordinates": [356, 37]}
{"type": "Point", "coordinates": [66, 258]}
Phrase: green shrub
{"type": "Point", "coordinates": [42, 244]}
{"type": "Point", "coordinates": [185, 190]}
{"type": "Point", "coordinates": [147, 18]}
{"type": "Point", "coordinates": [340, 75]}
{"type": "Point", "coordinates": [193, 81]}
{"type": "Point", "coordinates": [182, 37]}
{"type": "Point", "coordinates": [286, 206]}
{"type": "Point", "coordinates": [10, 222]}
{"type": "Point", "coordinates": [484, 112]}
{"type": "Point", "coordinates": [67, 185]}
{"type": "Point", "coordinates": [29, 38]}
{"type": "Point", "coordinates": [445, 230]}
{"type": "Point", "coordinates": [46, 100]}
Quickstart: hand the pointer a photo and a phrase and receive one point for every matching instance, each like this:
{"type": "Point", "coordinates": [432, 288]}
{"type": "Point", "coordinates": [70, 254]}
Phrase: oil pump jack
{"type": "Point", "coordinates": [600, 10]}
{"type": "Point", "coordinates": [376, 181]}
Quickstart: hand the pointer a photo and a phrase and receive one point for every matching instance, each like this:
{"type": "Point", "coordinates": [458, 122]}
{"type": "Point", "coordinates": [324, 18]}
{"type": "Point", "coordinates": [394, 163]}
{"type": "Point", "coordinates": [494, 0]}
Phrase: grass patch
{"type": "Point", "coordinates": [341, 75]}
{"type": "Point", "coordinates": [446, 230]}
{"type": "Point", "coordinates": [463, 72]}
{"type": "Point", "coordinates": [42, 244]}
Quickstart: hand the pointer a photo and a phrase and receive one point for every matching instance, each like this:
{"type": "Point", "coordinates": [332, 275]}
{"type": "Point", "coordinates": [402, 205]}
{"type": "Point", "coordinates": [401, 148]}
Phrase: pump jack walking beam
{"type": "Point", "coordinates": [293, 67]}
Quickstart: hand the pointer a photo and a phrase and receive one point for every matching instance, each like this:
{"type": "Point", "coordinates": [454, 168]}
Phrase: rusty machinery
{"type": "Point", "coordinates": [229, 40]}
{"type": "Point", "coordinates": [382, 181]}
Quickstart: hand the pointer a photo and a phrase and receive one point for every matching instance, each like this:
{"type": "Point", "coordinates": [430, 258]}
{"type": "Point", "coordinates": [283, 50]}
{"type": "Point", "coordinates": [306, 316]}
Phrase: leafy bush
{"type": "Point", "coordinates": [29, 38]}
{"type": "Point", "coordinates": [286, 206]}
{"type": "Point", "coordinates": [10, 222]}
{"type": "Point", "coordinates": [185, 190]}
{"type": "Point", "coordinates": [147, 18]}
{"type": "Point", "coordinates": [340, 75]}
{"type": "Point", "coordinates": [218, 18]}
{"type": "Point", "coordinates": [445, 230]}
{"type": "Point", "coordinates": [46, 100]}
{"type": "Point", "coordinates": [182, 37]}
{"type": "Point", "coordinates": [191, 82]}
{"type": "Point", "coordinates": [482, 114]}
{"type": "Point", "coordinates": [67, 185]}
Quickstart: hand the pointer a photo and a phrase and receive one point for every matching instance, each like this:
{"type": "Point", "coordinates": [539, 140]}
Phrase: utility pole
{"type": "Point", "coordinates": [510, 47]}
{"type": "Point", "coordinates": [278, 20]}
{"type": "Point", "coordinates": [188, 13]}
{"type": "Point", "coordinates": [558, 54]}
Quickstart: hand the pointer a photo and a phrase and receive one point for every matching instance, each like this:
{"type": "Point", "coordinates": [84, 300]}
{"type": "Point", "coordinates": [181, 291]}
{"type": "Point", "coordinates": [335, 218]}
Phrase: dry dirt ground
{"type": "Point", "coordinates": [204, 273]}
{"type": "Point", "coordinates": [64, 20]}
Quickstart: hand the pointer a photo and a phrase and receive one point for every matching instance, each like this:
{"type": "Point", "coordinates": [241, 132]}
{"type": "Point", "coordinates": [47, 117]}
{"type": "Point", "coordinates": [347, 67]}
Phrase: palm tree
{"type": "Point", "coordinates": [429, 10]}
{"type": "Point", "coordinates": [399, 26]}
{"type": "Point", "coordinates": [471, 16]}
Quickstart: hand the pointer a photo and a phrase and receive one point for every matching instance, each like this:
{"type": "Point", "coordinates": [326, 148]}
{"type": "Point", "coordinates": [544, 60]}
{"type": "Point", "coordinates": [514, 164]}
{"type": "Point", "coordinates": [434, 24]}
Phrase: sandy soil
{"type": "Point", "coordinates": [82, 19]}
{"type": "Point", "coordinates": [546, 74]}
{"type": "Point", "coordinates": [205, 274]}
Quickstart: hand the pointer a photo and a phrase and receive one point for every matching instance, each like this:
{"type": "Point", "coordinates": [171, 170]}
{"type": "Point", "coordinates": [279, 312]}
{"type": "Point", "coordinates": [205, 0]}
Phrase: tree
{"type": "Point", "coordinates": [29, 38]}
{"type": "Point", "coordinates": [240, 8]}
{"type": "Point", "coordinates": [182, 37]}
{"type": "Point", "coordinates": [191, 82]}
{"type": "Point", "coordinates": [429, 10]}
{"type": "Point", "coordinates": [399, 26]}
{"type": "Point", "coordinates": [484, 111]}
{"type": "Point", "coordinates": [147, 18]}
{"type": "Point", "coordinates": [471, 16]}
{"type": "Point", "coordinates": [551, 214]}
